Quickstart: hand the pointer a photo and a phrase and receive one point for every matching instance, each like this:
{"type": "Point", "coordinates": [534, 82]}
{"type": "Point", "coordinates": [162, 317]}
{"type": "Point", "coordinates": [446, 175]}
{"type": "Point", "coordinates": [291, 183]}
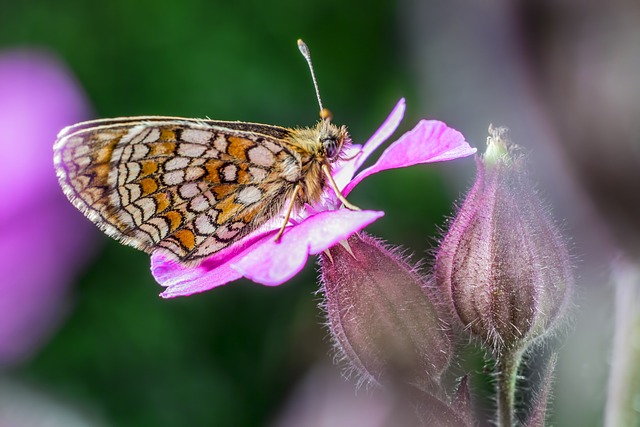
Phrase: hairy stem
{"type": "Point", "coordinates": [508, 365]}
{"type": "Point", "coordinates": [624, 379]}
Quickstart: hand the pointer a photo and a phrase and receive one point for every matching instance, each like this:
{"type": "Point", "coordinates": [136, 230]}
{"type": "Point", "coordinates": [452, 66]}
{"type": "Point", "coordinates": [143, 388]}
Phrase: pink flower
{"type": "Point", "coordinates": [260, 258]}
{"type": "Point", "coordinates": [44, 242]}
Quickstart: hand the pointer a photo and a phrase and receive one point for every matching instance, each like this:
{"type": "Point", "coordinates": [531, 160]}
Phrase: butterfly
{"type": "Point", "coordinates": [191, 187]}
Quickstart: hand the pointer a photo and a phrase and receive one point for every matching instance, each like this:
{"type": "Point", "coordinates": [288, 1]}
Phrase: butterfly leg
{"type": "Point", "coordinates": [335, 188]}
{"type": "Point", "coordinates": [287, 214]}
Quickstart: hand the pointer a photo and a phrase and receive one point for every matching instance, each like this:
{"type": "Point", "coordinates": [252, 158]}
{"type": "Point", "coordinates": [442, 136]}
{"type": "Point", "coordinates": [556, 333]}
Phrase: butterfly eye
{"type": "Point", "coordinates": [331, 147]}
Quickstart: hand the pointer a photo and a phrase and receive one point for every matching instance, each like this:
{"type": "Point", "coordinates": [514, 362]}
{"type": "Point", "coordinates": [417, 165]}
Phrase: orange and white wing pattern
{"type": "Point", "coordinates": [184, 186]}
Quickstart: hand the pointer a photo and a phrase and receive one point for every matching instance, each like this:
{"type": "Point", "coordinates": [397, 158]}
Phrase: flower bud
{"type": "Point", "coordinates": [380, 315]}
{"type": "Point", "coordinates": [503, 267]}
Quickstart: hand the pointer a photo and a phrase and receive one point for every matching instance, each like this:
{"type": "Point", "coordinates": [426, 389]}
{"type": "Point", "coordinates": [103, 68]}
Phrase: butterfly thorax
{"type": "Point", "coordinates": [317, 146]}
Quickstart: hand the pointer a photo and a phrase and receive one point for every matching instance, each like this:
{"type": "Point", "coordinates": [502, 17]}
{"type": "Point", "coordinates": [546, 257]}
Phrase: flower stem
{"type": "Point", "coordinates": [624, 379]}
{"type": "Point", "coordinates": [508, 365]}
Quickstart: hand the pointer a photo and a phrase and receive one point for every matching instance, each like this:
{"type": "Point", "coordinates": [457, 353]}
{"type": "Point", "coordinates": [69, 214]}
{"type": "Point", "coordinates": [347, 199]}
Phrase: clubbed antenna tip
{"type": "Point", "coordinates": [304, 50]}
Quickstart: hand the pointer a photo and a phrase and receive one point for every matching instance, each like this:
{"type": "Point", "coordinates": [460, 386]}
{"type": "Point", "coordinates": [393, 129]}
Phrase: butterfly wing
{"type": "Point", "coordinates": [186, 187]}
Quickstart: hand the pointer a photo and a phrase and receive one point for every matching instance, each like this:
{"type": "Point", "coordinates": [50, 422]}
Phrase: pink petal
{"type": "Point", "coordinates": [383, 133]}
{"type": "Point", "coordinates": [430, 141]}
{"type": "Point", "coordinates": [215, 271]}
{"type": "Point", "coordinates": [344, 171]}
{"type": "Point", "coordinates": [183, 281]}
{"type": "Point", "coordinates": [273, 263]}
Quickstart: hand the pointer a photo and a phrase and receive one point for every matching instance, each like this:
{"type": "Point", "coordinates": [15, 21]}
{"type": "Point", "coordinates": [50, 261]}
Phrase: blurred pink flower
{"type": "Point", "coordinates": [43, 240]}
{"type": "Point", "coordinates": [324, 399]}
{"type": "Point", "coordinates": [260, 258]}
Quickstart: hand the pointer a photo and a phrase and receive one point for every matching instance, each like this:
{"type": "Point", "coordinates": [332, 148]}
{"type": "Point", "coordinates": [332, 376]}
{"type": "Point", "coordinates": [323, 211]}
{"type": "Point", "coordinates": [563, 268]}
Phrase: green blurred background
{"type": "Point", "coordinates": [228, 357]}
{"type": "Point", "coordinates": [233, 356]}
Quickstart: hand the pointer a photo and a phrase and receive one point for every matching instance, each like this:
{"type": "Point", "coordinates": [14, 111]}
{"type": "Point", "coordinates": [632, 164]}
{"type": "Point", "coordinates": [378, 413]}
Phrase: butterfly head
{"type": "Point", "coordinates": [333, 138]}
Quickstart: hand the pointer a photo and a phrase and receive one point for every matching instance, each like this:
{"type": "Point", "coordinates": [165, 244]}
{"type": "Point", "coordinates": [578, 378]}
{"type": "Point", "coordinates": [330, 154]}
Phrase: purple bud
{"type": "Point", "coordinates": [503, 267]}
{"type": "Point", "coordinates": [380, 315]}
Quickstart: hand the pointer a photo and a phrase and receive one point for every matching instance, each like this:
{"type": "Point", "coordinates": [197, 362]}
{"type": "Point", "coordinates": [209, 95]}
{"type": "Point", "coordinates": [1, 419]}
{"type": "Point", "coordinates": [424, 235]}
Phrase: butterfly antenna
{"type": "Point", "coordinates": [304, 50]}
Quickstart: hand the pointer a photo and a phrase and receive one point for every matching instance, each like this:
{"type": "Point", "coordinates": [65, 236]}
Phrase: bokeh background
{"type": "Point", "coordinates": [86, 339]}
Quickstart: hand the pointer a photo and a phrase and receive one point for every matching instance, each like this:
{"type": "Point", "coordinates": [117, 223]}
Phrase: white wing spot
{"type": "Point", "coordinates": [261, 156]}
{"type": "Point", "coordinates": [176, 163]}
{"type": "Point", "coordinates": [249, 195]}
{"type": "Point", "coordinates": [196, 136]}
{"type": "Point", "coordinates": [148, 207]}
{"type": "Point", "coordinates": [205, 225]}
{"type": "Point", "coordinates": [134, 193]}
{"type": "Point", "coordinates": [220, 143]}
{"type": "Point", "coordinates": [153, 136]}
{"type": "Point", "coordinates": [81, 150]}
{"type": "Point", "coordinates": [125, 152]}
{"type": "Point", "coordinates": [199, 204]}
{"type": "Point", "coordinates": [258, 174]}
{"type": "Point", "coordinates": [189, 190]}
{"type": "Point", "coordinates": [191, 150]}
{"type": "Point", "coordinates": [128, 172]}
{"type": "Point", "coordinates": [194, 173]}
{"type": "Point", "coordinates": [211, 153]}
{"type": "Point", "coordinates": [161, 225]}
{"type": "Point", "coordinates": [173, 178]}
{"type": "Point", "coordinates": [229, 173]}
{"type": "Point", "coordinates": [140, 151]}
{"type": "Point", "coordinates": [274, 148]}
{"type": "Point", "coordinates": [225, 233]}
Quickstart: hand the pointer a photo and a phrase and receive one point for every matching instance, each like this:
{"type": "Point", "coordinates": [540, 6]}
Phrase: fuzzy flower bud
{"type": "Point", "coordinates": [503, 267]}
{"type": "Point", "coordinates": [380, 316]}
